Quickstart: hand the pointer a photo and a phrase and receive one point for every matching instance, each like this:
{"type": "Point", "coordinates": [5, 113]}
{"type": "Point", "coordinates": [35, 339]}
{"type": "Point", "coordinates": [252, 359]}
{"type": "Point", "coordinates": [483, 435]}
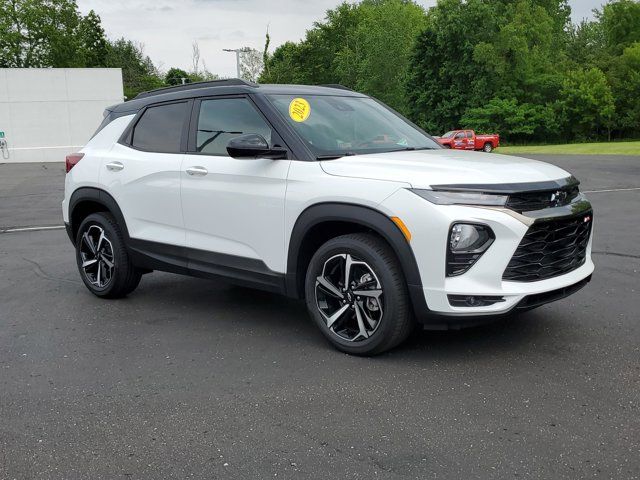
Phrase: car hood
{"type": "Point", "coordinates": [425, 168]}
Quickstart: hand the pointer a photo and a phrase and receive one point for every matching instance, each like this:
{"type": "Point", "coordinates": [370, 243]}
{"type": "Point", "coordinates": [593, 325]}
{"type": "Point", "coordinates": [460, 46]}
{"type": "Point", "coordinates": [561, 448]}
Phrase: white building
{"type": "Point", "coordinates": [47, 113]}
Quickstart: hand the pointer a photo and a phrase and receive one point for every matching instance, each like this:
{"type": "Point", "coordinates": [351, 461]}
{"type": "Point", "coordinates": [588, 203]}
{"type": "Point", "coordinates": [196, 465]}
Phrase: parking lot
{"type": "Point", "coordinates": [196, 378]}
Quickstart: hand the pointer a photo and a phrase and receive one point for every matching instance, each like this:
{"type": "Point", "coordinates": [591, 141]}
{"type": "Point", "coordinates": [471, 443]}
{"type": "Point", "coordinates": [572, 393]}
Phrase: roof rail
{"type": "Point", "coordinates": [336, 85]}
{"type": "Point", "coordinates": [195, 85]}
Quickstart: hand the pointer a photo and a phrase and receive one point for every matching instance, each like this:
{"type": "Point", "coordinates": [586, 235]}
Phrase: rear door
{"type": "Point", "coordinates": [142, 173]}
{"type": "Point", "coordinates": [233, 209]}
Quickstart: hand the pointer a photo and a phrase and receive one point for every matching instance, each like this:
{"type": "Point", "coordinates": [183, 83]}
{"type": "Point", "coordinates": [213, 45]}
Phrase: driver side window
{"type": "Point", "coordinates": [222, 119]}
{"type": "Point", "coordinates": [459, 136]}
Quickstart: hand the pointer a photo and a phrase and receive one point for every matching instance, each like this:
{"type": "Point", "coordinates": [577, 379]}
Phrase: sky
{"type": "Point", "coordinates": [168, 28]}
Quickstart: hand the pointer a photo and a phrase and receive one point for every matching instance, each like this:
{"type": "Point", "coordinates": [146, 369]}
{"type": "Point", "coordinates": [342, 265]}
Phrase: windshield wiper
{"type": "Point", "coordinates": [333, 157]}
{"type": "Point", "coordinates": [411, 149]}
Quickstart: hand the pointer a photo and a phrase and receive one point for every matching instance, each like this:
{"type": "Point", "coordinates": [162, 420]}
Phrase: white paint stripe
{"type": "Point", "coordinates": [44, 148]}
{"type": "Point", "coordinates": [613, 190]}
{"type": "Point", "coordinates": [31, 229]}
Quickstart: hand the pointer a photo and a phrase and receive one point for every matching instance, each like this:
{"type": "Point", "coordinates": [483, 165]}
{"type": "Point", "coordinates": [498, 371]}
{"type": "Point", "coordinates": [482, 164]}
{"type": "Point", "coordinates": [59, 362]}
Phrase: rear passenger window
{"type": "Point", "coordinates": [222, 119]}
{"type": "Point", "coordinates": [160, 128]}
{"type": "Point", "coordinates": [469, 135]}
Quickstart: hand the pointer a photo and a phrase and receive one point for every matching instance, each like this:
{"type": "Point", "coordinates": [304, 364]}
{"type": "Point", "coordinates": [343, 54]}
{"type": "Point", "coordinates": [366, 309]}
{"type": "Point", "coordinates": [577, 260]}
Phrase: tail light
{"type": "Point", "coordinates": [72, 160]}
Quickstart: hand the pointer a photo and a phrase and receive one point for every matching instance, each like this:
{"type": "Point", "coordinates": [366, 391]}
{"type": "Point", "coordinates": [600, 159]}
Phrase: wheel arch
{"type": "Point", "coordinates": [320, 222]}
{"type": "Point", "coordinates": [87, 200]}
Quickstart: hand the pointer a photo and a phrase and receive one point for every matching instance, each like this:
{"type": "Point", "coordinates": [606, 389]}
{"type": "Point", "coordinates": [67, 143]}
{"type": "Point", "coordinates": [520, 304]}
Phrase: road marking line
{"type": "Point", "coordinates": [613, 190]}
{"type": "Point", "coordinates": [31, 229]}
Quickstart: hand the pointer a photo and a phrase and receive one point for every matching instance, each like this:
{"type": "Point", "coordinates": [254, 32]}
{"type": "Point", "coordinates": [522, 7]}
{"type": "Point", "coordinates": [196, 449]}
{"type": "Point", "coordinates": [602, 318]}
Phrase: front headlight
{"type": "Point", "coordinates": [461, 198]}
{"type": "Point", "coordinates": [467, 243]}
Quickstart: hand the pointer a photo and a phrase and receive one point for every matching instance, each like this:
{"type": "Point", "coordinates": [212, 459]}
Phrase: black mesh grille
{"type": "Point", "coordinates": [550, 248]}
{"type": "Point", "coordinates": [531, 201]}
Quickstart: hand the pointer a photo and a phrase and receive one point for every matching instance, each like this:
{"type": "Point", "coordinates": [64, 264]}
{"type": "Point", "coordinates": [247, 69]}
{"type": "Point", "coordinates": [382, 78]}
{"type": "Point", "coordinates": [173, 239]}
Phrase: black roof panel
{"type": "Point", "coordinates": [228, 87]}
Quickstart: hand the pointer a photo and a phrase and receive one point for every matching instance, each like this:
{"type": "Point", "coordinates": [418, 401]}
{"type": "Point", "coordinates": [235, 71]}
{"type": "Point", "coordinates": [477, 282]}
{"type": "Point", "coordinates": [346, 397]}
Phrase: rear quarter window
{"type": "Point", "coordinates": [160, 128]}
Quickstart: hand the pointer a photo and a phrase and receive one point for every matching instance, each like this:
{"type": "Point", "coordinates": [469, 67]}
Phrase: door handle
{"type": "Point", "coordinates": [114, 166]}
{"type": "Point", "coordinates": [197, 171]}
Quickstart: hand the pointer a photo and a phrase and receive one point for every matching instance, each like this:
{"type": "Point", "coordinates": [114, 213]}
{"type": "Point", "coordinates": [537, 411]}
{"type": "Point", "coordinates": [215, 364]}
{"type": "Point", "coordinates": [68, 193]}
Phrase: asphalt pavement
{"type": "Point", "coordinates": [190, 378]}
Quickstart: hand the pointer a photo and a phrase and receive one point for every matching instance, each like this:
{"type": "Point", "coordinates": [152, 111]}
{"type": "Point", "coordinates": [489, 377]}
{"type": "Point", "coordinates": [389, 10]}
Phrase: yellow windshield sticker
{"type": "Point", "coordinates": [299, 109]}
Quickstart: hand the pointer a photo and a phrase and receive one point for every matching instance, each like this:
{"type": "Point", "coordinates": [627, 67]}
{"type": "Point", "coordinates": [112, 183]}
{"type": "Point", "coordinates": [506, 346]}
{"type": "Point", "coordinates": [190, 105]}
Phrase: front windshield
{"type": "Point", "coordinates": [448, 135]}
{"type": "Point", "coordinates": [334, 126]}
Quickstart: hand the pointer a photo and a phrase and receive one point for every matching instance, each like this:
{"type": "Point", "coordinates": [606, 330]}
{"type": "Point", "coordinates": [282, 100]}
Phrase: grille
{"type": "Point", "coordinates": [551, 248]}
{"type": "Point", "coordinates": [531, 201]}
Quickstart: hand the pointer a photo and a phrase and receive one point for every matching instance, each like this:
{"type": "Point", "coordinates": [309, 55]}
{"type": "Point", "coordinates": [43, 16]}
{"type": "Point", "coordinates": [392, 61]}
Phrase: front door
{"type": "Point", "coordinates": [460, 141]}
{"type": "Point", "coordinates": [233, 209]}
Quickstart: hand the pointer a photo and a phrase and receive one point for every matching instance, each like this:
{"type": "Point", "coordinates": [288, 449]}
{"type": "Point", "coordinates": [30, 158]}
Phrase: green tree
{"type": "Point", "coordinates": [620, 21]}
{"type": "Point", "coordinates": [587, 104]}
{"type": "Point", "coordinates": [445, 78]}
{"type": "Point", "coordinates": [175, 76]}
{"type": "Point", "coordinates": [285, 65]}
{"type": "Point", "coordinates": [517, 121]}
{"type": "Point", "coordinates": [312, 61]}
{"type": "Point", "coordinates": [94, 47]}
{"type": "Point", "coordinates": [587, 45]}
{"type": "Point", "coordinates": [139, 74]}
{"type": "Point", "coordinates": [366, 46]}
{"type": "Point", "coordinates": [479, 56]}
{"type": "Point", "coordinates": [624, 77]}
{"type": "Point", "coordinates": [38, 34]}
{"type": "Point", "coordinates": [376, 57]}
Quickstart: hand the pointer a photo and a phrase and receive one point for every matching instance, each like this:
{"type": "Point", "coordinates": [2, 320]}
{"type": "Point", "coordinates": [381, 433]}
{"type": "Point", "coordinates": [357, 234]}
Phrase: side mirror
{"type": "Point", "coordinates": [252, 145]}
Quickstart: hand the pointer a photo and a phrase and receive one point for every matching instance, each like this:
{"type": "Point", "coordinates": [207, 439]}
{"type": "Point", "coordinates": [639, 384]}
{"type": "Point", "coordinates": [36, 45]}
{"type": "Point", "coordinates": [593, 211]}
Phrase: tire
{"type": "Point", "coordinates": [488, 148]}
{"type": "Point", "coordinates": [376, 314]}
{"type": "Point", "coordinates": [117, 280]}
{"type": "Point", "coordinates": [448, 147]}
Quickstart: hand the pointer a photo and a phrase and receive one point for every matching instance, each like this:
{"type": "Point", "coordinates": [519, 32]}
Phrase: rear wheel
{"type": "Point", "coordinates": [488, 148]}
{"type": "Point", "coordinates": [103, 262]}
{"type": "Point", "coordinates": [356, 294]}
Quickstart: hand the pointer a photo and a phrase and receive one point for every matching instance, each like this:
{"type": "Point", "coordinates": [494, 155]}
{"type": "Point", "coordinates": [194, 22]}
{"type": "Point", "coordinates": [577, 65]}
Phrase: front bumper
{"type": "Point", "coordinates": [429, 225]}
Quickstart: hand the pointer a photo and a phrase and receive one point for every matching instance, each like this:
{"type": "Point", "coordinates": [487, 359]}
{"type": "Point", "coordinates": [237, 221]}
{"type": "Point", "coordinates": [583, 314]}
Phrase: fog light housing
{"type": "Point", "coordinates": [467, 243]}
{"type": "Point", "coordinates": [474, 300]}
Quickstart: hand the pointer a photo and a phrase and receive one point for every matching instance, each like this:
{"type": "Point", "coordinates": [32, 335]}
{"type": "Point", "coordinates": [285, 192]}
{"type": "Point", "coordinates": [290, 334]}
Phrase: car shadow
{"type": "Point", "coordinates": [277, 317]}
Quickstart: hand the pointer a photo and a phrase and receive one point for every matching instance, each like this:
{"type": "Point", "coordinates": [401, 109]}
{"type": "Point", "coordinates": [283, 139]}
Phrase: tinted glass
{"type": "Point", "coordinates": [334, 125]}
{"type": "Point", "coordinates": [225, 118]}
{"type": "Point", "coordinates": [160, 128]}
{"type": "Point", "coordinates": [460, 135]}
{"type": "Point", "coordinates": [469, 135]}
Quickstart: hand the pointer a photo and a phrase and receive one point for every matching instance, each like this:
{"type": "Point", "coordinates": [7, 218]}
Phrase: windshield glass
{"type": "Point", "coordinates": [448, 135]}
{"type": "Point", "coordinates": [337, 126]}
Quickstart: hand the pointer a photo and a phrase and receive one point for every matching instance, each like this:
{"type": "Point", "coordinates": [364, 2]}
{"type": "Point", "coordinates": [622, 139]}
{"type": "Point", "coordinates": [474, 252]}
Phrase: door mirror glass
{"type": "Point", "coordinates": [253, 145]}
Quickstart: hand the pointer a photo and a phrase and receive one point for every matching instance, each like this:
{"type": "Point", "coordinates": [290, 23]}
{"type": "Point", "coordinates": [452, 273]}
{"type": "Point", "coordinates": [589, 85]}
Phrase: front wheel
{"type": "Point", "coordinates": [103, 262]}
{"type": "Point", "coordinates": [356, 294]}
{"type": "Point", "coordinates": [488, 148]}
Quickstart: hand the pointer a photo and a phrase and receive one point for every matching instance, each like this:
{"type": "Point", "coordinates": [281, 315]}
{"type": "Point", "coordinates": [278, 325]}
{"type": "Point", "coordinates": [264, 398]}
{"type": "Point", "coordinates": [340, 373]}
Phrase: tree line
{"type": "Point", "coordinates": [53, 33]}
{"type": "Point", "coordinates": [520, 68]}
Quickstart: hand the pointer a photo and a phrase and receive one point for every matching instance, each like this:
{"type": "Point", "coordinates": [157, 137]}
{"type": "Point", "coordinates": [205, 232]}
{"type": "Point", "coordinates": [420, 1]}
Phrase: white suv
{"type": "Point", "coordinates": [324, 194]}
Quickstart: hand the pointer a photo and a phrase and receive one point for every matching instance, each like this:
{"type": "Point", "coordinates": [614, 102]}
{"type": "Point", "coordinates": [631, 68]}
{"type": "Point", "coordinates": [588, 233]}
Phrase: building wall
{"type": "Point", "coordinates": [47, 113]}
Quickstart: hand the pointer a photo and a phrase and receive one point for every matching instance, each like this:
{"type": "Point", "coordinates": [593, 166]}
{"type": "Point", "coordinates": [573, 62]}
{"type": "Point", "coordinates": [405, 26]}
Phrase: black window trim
{"type": "Point", "coordinates": [127, 136]}
{"type": "Point", "coordinates": [191, 148]}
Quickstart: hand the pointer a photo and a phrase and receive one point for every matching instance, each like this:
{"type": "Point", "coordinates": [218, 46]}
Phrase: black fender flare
{"type": "Point", "coordinates": [365, 217]}
{"type": "Point", "coordinates": [99, 196]}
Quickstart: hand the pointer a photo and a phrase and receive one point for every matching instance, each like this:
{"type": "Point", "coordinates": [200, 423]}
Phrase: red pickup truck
{"type": "Point", "coordinates": [468, 140]}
